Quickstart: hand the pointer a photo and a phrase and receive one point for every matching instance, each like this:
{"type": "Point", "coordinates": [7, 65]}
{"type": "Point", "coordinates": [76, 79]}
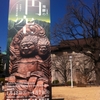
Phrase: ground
{"type": "Point", "coordinates": [1, 96]}
{"type": "Point", "coordinates": [76, 93]}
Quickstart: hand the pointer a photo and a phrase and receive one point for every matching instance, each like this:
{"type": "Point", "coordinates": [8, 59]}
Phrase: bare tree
{"type": "Point", "coordinates": [81, 65]}
{"type": "Point", "coordinates": [84, 65]}
{"type": "Point", "coordinates": [82, 21]}
{"type": "Point", "coordinates": [61, 66]}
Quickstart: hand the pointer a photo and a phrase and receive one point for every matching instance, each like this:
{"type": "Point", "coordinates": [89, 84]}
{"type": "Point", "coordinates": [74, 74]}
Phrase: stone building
{"type": "Point", "coordinates": [82, 66]}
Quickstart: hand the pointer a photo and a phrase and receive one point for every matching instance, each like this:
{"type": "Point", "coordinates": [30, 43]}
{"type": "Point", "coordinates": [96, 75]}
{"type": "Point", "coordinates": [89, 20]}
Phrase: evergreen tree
{"type": "Point", "coordinates": [1, 62]}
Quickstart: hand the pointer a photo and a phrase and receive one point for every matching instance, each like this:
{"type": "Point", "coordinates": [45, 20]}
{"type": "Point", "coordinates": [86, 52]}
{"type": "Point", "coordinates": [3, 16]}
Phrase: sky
{"type": "Point", "coordinates": [57, 11]}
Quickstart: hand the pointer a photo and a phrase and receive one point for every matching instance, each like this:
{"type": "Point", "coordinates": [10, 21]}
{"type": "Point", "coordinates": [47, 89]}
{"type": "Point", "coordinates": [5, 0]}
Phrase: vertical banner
{"type": "Point", "coordinates": [29, 50]}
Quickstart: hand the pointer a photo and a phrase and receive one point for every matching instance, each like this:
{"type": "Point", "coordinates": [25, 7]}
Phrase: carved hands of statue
{"type": "Point", "coordinates": [31, 83]}
{"type": "Point", "coordinates": [39, 89]}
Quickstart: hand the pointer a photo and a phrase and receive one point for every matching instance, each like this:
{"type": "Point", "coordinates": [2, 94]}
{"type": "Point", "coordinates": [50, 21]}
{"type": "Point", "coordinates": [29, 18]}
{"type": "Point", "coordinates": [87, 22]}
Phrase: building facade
{"type": "Point", "coordinates": [82, 66]}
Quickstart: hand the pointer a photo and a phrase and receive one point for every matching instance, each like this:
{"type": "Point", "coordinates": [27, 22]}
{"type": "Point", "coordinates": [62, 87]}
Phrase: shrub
{"type": "Point", "coordinates": [69, 83]}
{"type": "Point", "coordinates": [2, 80]}
{"type": "Point", "coordinates": [81, 85]}
{"type": "Point", "coordinates": [55, 82]}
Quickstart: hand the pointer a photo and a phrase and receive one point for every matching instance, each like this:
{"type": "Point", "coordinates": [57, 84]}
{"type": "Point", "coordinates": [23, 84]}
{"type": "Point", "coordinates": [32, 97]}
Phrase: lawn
{"type": "Point", "coordinates": [76, 93]}
{"type": "Point", "coordinates": [1, 96]}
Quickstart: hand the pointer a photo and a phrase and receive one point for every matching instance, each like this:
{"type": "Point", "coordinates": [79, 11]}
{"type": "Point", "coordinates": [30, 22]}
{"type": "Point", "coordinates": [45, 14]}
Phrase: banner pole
{"type": "Point", "coordinates": [29, 51]}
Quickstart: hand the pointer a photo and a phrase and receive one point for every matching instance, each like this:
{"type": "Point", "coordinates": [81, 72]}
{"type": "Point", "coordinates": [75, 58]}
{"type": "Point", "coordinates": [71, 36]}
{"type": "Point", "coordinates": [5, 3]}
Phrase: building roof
{"type": "Point", "coordinates": [66, 44]}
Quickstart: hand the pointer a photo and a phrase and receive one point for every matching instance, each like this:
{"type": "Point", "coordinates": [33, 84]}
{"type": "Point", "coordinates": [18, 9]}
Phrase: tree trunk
{"type": "Point", "coordinates": [97, 72]}
{"type": "Point", "coordinates": [65, 77]}
{"type": "Point", "coordinates": [97, 76]}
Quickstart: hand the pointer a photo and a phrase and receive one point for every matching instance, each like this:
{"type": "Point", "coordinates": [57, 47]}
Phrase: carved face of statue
{"type": "Point", "coordinates": [27, 47]}
{"type": "Point", "coordinates": [42, 49]}
{"type": "Point", "coordinates": [43, 45]}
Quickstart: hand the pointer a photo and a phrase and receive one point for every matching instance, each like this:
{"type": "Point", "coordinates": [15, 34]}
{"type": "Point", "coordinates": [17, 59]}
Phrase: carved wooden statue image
{"type": "Point", "coordinates": [29, 65]}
